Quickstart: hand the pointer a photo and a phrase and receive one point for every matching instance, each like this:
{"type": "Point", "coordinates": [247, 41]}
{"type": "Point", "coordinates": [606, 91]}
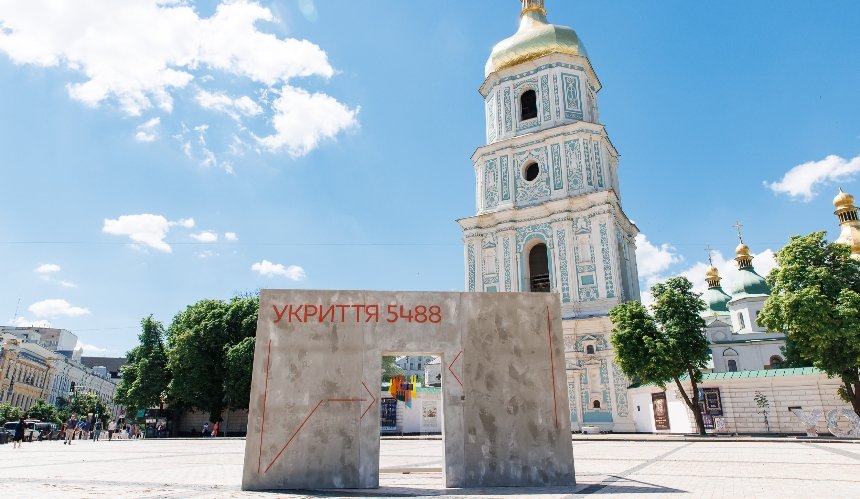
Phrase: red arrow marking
{"type": "Point", "coordinates": [452, 364]}
{"type": "Point", "coordinates": [369, 405]}
{"type": "Point", "coordinates": [552, 366]}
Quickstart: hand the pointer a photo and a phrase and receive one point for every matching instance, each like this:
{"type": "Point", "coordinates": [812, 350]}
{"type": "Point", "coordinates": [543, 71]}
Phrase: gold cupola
{"type": "Point", "coordinates": [846, 212]}
{"type": "Point", "coordinates": [743, 256]}
{"type": "Point", "coordinates": [535, 38]}
{"type": "Point", "coordinates": [712, 277]}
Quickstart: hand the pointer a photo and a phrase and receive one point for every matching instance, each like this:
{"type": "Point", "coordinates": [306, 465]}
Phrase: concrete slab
{"type": "Point", "coordinates": [314, 418]}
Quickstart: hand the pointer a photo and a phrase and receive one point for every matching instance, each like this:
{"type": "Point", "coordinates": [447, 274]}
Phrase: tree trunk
{"type": "Point", "coordinates": [693, 403]}
{"type": "Point", "coordinates": [852, 389]}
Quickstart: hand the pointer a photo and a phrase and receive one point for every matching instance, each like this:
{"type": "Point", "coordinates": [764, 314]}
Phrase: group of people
{"type": "Point", "coordinates": [215, 429]}
{"type": "Point", "coordinates": [81, 429]}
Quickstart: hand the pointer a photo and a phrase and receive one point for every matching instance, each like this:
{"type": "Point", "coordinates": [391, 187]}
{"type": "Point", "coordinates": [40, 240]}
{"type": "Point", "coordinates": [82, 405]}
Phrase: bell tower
{"type": "Point", "coordinates": [549, 215]}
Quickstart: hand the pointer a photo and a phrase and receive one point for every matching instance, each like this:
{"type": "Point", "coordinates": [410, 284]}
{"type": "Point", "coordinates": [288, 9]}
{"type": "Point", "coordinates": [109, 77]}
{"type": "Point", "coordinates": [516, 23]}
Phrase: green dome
{"type": "Point", "coordinates": [748, 283]}
{"type": "Point", "coordinates": [535, 38]}
{"type": "Point", "coordinates": [716, 300]}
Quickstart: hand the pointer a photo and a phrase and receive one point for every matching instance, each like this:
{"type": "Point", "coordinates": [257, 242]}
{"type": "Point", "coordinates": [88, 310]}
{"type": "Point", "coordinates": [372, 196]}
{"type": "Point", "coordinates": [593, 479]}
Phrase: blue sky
{"type": "Point", "coordinates": [326, 144]}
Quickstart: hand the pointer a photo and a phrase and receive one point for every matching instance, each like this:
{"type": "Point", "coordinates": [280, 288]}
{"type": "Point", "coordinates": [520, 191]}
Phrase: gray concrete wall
{"type": "Point", "coordinates": [314, 415]}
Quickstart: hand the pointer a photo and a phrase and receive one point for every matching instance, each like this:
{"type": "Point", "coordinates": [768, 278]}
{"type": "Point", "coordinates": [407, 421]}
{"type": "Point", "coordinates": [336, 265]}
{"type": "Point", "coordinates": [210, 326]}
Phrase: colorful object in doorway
{"type": "Point", "coordinates": [404, 390]}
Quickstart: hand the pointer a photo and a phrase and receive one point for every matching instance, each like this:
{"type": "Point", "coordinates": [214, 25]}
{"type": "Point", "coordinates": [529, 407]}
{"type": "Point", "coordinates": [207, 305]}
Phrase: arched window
{"type": "Point", "coordinates": [732, 366]}
{"type": "Point", "coordinates": [775, 362]}
{"type": "Point", "coordinates": [589, 349]}
{"type": "Point", "coordinates": [539, 269]}
{"type": "Point", "coordinates": [596, 404]}
{"type": "Point", "coordinates": [528, 105]}
{"type": "Point", "coordinates": [741, 321]}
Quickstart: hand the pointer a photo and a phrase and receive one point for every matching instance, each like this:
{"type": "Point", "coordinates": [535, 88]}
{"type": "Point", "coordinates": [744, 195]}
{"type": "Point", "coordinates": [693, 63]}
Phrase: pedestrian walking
{"type": "Point", "coordinates": [71, 427]}
{"type": "Point", "coordinates": [98, 429]}
{"type": "Point", "coordinates": [215, 428]}
{"type": "Point", "coordinates": [206, 429]}
{"type": "Point", "coordinates": [111, 429]}
{"type": "Point", "coordinates": [19, 433]}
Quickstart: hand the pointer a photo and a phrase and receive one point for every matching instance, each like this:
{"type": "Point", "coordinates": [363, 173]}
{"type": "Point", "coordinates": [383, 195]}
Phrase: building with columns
{"type": "Point", "coordinates": [549, 213]}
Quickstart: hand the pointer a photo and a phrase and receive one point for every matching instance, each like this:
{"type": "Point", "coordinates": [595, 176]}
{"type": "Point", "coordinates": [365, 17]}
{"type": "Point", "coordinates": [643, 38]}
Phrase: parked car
{"type": "Point", "coordinates": [30, 432]}
{"type": "Point", "coordinates": [47, 431]}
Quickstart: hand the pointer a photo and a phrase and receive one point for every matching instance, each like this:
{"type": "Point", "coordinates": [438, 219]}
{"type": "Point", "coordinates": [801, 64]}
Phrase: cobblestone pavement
{"type": "Point", "coordinates": [212, 468]}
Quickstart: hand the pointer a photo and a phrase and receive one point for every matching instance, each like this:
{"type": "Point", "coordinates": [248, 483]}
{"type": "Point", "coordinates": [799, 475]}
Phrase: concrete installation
{"type": "Point", "coordinates": [314, 408]}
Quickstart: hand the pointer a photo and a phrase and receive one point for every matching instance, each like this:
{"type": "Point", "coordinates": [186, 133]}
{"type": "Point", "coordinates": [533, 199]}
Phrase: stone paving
{"type": "Point", "coordinates": [212, 468]}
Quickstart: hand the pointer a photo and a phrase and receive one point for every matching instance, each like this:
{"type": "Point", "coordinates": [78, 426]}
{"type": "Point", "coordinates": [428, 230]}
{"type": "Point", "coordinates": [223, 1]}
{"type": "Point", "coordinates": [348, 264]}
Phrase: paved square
{"type": "Point", "coordinates": [209, 468]}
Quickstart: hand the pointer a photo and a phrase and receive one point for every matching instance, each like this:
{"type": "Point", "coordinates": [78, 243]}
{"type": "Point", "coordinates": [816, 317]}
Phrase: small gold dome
{"type": "Point", "coordinates": [742, 250]}
{"type": "Point", "coordinates": [712, 272]}
{"type": "Point", "coordinates": [843, 200]}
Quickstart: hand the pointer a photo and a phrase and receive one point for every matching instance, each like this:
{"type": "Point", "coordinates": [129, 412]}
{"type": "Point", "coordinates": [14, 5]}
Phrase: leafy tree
{"type": "Point", "coordinates": [389, 368]}
{"type": "Point", "coordinates": [44, 411]}
{"type": "Point", "coordinates": [145, 375]}
{"type": "Point", "coordinates": [667, 345]}
{"type": "Point", "coordinates": [9, 412]}
{"type": "Point", "coordinates": [815, 300]}
{"type": "Point", "coordinates": [198, 340]}
{"type": "Point", "coordinates": [793, 356]}
{"type": "Point", "coordinates": [84, 404]}
{"type": "Point", "coordinates": [238, 364]}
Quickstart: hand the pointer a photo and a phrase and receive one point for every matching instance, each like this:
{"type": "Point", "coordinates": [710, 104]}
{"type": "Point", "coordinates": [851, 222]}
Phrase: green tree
{"type": "Point", "coordinates": [198, 340]}
{"type": "Point", "coordinates": [815, 300]}
{"type": "Point", "coordinates": [667, 345]}
{"type": "Point", "coordinates": [44, 411]}
{"type": "Point", "coordinates": [389, 368]}
{"type": "Point", "coordinates": [9, 412]}
{"type": "Point", "coordinates": [84, 404]}
{"type": "Point", "coordinates": [145, 375]}
{"type": "Point", "coordinates": [238, 364]}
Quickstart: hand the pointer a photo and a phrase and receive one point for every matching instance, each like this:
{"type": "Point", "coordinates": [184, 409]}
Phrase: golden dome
{"type": "Point", "coordinates": [712, 272]}
{"type": "Point", "coordinates": [843, 200]}
{"type": "Point", "coordinates": [535, 38]}
{"type": "Point", "coordinates": [742, 250]}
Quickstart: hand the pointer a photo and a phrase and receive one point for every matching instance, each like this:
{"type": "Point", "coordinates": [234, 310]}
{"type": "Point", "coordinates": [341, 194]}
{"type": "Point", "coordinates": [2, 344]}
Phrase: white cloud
{"type": "Point", "coordinates": [802, 180]}
{"type": "Point", "coordinates": [267, 268]}
{"type": "Point", "coordinates": [207, 236]}
{"type": "Point", "coordinates": [56, 307]}
{"type": "Point", "coordinates": [140, 53]}
{"type": "Point", "coordinates": [47, 268]}
{"type": "Point", "coordinates": [652, 260]}
{"type": "Point", "coordinates": [146, 130]}
{"type": "Point", "coordinates": [207, 254]}
{"type": "Point", "coordinates": [233, 107]}
{"type": "Point", "coordinates": [90, 349]}
{"type": "Point", "coordinates": [22, 322]}
{"type": "Point", "coordinates": [302, 119]}
{"type": "Point", "coordinates": [231, 236]}
{"type": "Point", "coordinates": [67, 284]}
{"type": "Point", "coordinates": [187, 223]}
{"type": "Point", "coordinates": [147, 229]}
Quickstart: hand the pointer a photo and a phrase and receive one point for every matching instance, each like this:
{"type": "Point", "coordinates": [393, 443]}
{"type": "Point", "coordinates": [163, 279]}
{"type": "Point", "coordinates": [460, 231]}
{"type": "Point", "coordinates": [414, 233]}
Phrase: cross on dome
{"type": "Point", "coordinates": [710, 252]}
{"type": "Point", "coordinates": [738, 225]}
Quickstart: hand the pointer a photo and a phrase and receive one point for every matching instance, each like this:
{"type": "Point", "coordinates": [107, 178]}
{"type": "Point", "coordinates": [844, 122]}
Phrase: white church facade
{"type": "Point", "coordinates": [549, 213]}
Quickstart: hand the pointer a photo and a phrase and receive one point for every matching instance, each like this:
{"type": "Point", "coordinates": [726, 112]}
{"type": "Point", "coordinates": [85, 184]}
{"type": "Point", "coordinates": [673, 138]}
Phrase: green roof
{"type": "Point", "coordinates": [748, 283]}
{"type": "Point", "coordinates": [717, 300]}
{"type": "Point", "coordinates": [763, 373]}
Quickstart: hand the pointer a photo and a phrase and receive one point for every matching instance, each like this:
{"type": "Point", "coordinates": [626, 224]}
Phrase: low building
{"type": "Point", "coordinates": [735, 402]}
{"type": "Point", "coordinates": [413, 365]}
